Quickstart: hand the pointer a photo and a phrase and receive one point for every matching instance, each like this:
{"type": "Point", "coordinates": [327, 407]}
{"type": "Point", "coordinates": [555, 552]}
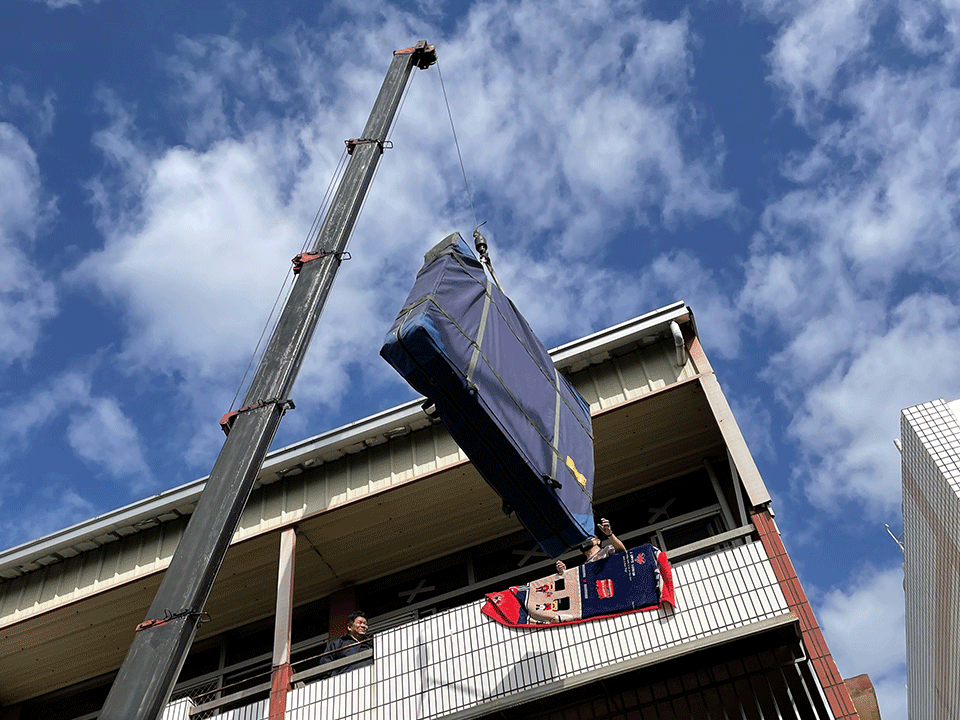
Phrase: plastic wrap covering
{"type": "Point", "coordinates": [460, 342]}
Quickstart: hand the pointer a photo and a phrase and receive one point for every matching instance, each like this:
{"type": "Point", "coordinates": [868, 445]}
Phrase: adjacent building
{"type": "Point", "coordinates": [386, 514]}
{"type": "Point", "coordinates": [930, 456]}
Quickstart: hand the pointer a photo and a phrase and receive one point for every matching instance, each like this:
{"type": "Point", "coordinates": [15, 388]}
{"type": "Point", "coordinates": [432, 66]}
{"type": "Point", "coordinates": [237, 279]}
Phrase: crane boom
{"type": "Point", "coordinates": [161, 643]}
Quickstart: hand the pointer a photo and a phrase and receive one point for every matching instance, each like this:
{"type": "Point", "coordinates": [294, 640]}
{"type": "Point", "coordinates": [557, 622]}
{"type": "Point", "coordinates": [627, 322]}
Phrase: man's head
{"type": "Point", "coordinates": [357, 625]}
{"type": "Point", "coordinates": [590, 546]}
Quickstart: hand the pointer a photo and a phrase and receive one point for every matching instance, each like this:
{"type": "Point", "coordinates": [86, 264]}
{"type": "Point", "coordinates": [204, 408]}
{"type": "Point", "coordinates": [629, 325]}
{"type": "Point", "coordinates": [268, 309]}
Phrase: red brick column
{"type": "Point", "coordinates": [833, 687]}
{"type": "Point", "coordinates": [280, 681]}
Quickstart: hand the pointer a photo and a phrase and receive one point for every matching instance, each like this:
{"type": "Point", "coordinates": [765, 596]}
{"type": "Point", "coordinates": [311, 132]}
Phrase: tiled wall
{"type": "Point", "coordinates": [930, 442]}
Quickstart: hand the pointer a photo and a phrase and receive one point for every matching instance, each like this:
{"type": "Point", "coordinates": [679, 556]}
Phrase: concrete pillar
{"type": "Point", "coordinates": [282, 670]}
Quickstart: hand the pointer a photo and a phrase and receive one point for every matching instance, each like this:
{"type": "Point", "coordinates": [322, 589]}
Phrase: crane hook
{"type": "Point", "coordinates": [480, 243]}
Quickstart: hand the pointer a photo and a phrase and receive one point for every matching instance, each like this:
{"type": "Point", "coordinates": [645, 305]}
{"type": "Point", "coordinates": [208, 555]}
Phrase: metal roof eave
{"type": "Point", "coordinates": [597, 347]}
{"type": "Point", "coordinates": [180, 500]}
{"type": "Point", "coordinates": [353, 437]}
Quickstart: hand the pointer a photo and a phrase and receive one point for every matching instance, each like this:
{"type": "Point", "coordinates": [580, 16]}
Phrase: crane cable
{"type": "Point", "coordinates": [479, 241]}
{"type": "Point", "coordinates": [312, 234]}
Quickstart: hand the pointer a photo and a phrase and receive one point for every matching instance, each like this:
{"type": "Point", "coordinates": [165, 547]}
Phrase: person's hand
{"type": "Point", "coordinates": [604, 526]}
{"type": "Point", "coordinates": [561, 568]}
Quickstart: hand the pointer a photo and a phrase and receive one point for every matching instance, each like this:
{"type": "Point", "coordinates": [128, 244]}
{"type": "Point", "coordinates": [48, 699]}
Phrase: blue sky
{"type": "Point", "coordinates": [790, 169]}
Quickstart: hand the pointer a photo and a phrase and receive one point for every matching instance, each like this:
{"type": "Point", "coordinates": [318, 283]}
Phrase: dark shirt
{"type": "Point", "coordinates": [345, 647]}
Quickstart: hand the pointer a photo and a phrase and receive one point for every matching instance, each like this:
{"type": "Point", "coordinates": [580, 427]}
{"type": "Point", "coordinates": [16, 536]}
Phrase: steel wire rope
{"type": "Point", "coordinates": [315, 228]}
{"type": "Point", "coordinates": [478, 238]}
{"type": "Point", "coordinates": [386, 140]}
{"type": "Point", "coordinates": [270, 323]}
{"type": "Point", "coordinates": [456, 142]}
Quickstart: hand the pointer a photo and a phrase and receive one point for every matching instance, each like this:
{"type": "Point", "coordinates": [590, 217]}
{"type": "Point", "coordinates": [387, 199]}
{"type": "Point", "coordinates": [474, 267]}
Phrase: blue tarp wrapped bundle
{"type": "Point", "coordinates": [460, 342]}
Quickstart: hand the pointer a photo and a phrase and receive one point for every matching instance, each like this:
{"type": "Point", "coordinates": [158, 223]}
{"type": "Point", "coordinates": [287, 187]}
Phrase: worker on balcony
{"type": "Point", "coordinates": [355, 640]}
{"type": "Point", "coordinates": [594, 552]}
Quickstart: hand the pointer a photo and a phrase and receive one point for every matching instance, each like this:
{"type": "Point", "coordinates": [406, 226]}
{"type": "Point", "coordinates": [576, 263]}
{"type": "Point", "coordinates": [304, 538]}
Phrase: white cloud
{"type": "Point", "coordinates": [881, 184]}
{"type": "Point", "coordinates": [928, 26]}
{"type": "Point", "coordinates": [603, 119]}
{"type": "Point", "coordinates": [27, 299]}
{"type": "Point", "coordinates": [215, 77]}
{"type": "Point", "coordinates": [817, 42]}
{"type": "Point", "coordinates": [28, 111]}
{"type": "Point", "coordinates": [685, 277]}
{"type": "Point", "coordinates": [854, 273]}
{"type": "Point", "coordinates": [20, 207]}
{"type": "Point", "coordinates": [807, 294]}
{"type": "Point", "coordinates": [40, 510]}
{"type": "Point", "coordinates": [198, 237]}
{"type": "Point", "coordinates": [902, 215]}
{"type": "Point", "coordinates": [847, 422]}
{"type": "Point", "coordinates": [892, 696]}
{"type": "Point", "coordinates": [100, 433]}
{"type": "Point", "coordinates": [863, 624]}
{"type": "Point", "coordinates": [563, 300]}
{"type": "Point", "coordinates": [879, 198]}
{"type": "Point", "coordinates": [754, 418]}
{"type": "Point", "coordinates": [59, 4]}
{"type": "Point", "coordinates": [197, 268]}
{"type": "Point", "coordinates": [98, 430]}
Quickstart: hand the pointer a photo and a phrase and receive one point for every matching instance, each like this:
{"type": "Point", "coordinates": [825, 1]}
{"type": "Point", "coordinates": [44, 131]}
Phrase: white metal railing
{"type": "Point", "coordinates": [460, 662]}
{"type": "Point", "coordinates": [459, 659]}
{"type": "Point", "coordinates": [216, 691]}
{"type": "Point", "coordinates": [178, 710]}
{"type": "Point", "coordinates": [349, 695]}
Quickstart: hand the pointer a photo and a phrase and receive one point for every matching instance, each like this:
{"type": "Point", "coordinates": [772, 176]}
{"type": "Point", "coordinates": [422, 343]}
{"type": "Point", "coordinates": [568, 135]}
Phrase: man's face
{"type": "Point", "coordinates": [358, 628]}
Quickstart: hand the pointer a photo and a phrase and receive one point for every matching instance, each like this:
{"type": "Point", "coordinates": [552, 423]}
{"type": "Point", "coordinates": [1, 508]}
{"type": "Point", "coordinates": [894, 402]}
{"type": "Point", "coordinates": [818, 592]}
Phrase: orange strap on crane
{"type": "Point", "coordinates": [226, 422]}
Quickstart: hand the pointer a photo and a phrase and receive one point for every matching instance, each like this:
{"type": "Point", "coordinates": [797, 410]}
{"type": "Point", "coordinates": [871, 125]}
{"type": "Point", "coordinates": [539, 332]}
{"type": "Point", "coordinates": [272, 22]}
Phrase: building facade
{"type": "Point", "coordinates": [930, 457]}
{"type": "Point", "coordinates": [387, 515]}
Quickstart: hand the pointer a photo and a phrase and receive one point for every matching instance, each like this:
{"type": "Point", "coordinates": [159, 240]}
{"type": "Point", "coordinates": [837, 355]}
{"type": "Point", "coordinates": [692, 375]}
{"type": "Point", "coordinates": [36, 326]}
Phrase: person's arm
{"type": "Point", "coordinates": [329, 652]}
{"type": "Point", "coordinates": [561, 567]}
{"type": "Point", "coordinates": [614, 540]}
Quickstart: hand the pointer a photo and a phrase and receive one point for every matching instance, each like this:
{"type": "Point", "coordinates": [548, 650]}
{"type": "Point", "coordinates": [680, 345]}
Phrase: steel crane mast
{"type": "Point", "coordinates": [161, 643]}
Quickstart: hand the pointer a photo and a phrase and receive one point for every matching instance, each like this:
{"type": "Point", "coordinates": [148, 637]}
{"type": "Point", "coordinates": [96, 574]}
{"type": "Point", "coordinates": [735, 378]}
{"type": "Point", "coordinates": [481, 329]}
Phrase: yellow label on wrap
{"type": "Point", "coordinates": [576, 473]}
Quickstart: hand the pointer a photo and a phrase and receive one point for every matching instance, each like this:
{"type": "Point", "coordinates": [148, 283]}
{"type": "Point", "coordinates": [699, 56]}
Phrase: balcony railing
{"type": "Point", "coordinates": [458, 663]}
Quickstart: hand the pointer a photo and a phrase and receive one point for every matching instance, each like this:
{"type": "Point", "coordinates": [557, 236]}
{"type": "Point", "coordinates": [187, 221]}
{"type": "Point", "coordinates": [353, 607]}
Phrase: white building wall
{"type": "Point", "coordinates": [930, 447]}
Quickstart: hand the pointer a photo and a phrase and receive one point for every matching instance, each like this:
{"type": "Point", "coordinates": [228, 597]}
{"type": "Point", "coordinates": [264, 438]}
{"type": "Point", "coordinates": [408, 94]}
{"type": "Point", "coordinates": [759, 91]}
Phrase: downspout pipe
{"type": "Point", "coordinates": [678, 341]}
